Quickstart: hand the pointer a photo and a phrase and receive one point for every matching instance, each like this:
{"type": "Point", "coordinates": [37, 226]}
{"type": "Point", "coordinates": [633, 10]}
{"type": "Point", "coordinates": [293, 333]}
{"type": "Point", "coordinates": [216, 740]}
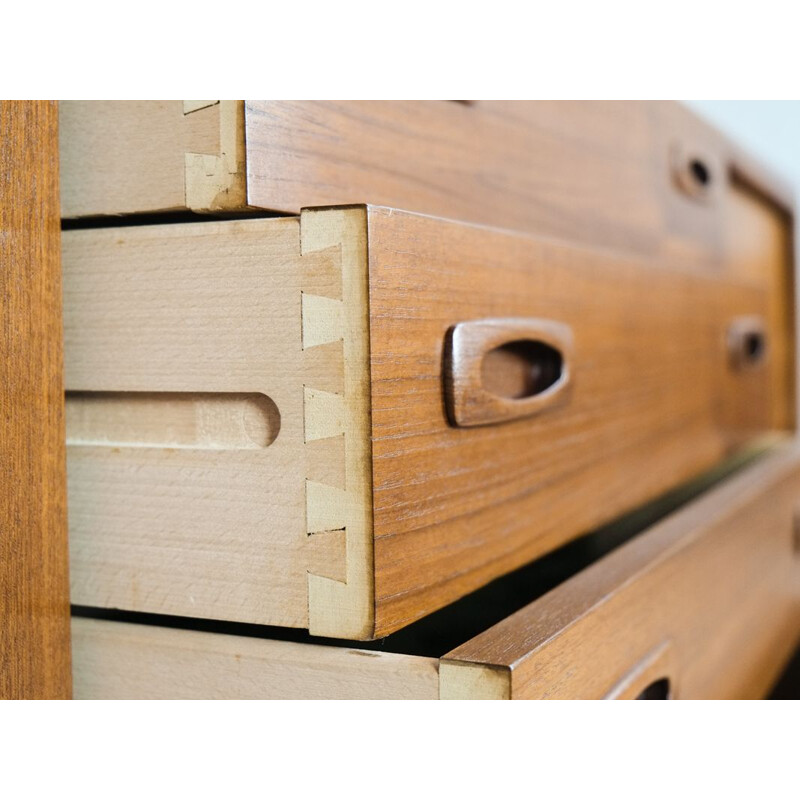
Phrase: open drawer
{"type": "Point", "coordinates": [648, 178]}
{"type": "Point", "coordinates": [345, 420]}
{"type": "Point", "coordinates": [704, 604]}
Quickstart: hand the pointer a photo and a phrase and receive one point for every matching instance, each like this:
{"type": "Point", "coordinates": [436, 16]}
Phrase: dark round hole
{"type": "Point", "coordinates": [521, 369]}
{"type": "Point", "coordinates": [700, 172]}
{"type": "Point", "coordinates": [657, 690]}
{"type": "Point", "coordinates": [753, 346]}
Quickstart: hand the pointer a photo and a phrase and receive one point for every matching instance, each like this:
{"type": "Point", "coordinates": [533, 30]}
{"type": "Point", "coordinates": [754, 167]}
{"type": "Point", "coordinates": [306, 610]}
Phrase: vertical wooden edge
{"type": "Point", "coordinates": [35, 655]}
{"type": "Point", "coordinates": [217, 181]}
{"type": "Point", "coordinates": [463, 680]}
{"type": "Point", "coordinates": [751, 173]}
{"type": "Point", "coordinates": [335, 608]}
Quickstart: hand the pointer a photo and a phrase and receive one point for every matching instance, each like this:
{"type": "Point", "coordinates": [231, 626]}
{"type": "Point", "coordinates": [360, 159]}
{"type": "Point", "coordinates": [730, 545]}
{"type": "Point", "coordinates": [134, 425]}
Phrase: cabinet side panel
{"type": "Point", "coordinates": [34, 592]}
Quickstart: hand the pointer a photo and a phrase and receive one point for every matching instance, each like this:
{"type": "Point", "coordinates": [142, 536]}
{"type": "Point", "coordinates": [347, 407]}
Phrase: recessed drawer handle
{"type": "Point", "coordinates": [498, 370]}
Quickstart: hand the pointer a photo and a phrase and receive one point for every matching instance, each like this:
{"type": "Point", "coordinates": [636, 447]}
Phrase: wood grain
{"type": "Point", "coordinates": [578, 170]}
{"type": "Point", "coordinates": [709, 599]}
{"type": "Point", "coordinates": [218, 393]}
{"type": "Point", "coordinates": [346, 607]}
{"type": "Point", "coordinates": [34, 593]}
{"type": "Point", "coordinates": [116, 660]}
{"type": "Point", "coordinates": [128, 157]}
{"type": "Point", "coordinates": [654, 400]}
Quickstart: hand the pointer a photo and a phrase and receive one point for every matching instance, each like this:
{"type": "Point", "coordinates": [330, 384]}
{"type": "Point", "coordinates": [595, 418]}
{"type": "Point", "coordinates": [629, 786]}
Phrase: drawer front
{"type": "Point", "coordinates": [215, 438]}
{"type": "Point", "coordinates": [652, 393]}
{"type": "Point", "coordinates": [703, 605]}
{"type": "Point", "coordinates": [270, 421]}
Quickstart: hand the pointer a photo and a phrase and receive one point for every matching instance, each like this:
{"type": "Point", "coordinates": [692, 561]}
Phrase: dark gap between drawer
{"type": "Point", "coordinates": [166, 218]}
{"type": "Point", "coordinates": [787, 686]}
{"type": "Point", "coordinates": [451, 626]}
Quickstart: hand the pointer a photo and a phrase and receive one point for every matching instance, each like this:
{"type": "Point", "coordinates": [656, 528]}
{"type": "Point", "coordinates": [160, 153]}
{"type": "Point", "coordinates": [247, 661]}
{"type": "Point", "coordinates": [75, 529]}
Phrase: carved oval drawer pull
{"type": "Point", "coordinates": [498, 370]}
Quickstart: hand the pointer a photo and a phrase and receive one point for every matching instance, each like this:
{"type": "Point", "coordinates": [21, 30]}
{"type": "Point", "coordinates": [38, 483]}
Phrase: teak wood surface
{"type": "Point", "coordinates": [368, 509]}
{"type": "Point", "coordinates": [708, 599]}
{"type": "Point", "coordinates": [34, 590]}
{"type": "Point", "coordinates": [654, 399]}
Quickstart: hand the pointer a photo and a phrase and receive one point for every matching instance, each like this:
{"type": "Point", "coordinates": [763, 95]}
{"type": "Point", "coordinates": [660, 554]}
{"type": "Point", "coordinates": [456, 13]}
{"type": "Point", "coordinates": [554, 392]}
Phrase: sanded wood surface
{"type": "Point", "coordinates": [577, 170]}
{"type": "Point", "coordinates": [130, 156]}
{"type": "Point", "coordinates": [117, 660]}
{"type": "Point", "coordinates": [709, 599]}
{"type": "Point", "coordinates": [218, 446]}
{"type": "Point", "coordinates": [654, 398]}
{"type": "Point", "coordinates": [608, 174]}
{"type": "Point", "coordinates": [34, 593]}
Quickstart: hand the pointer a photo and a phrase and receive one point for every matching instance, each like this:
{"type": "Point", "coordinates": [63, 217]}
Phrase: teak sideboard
{"type": "Point", "coordinates": [426, 399]}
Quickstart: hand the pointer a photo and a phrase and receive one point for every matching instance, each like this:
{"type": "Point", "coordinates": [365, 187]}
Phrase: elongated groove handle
{"type": "Point", "coordinates": [499, 370]}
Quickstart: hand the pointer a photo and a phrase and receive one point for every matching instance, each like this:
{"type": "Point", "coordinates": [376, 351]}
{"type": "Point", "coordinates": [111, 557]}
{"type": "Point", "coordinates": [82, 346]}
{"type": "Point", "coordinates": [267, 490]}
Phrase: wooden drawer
{"type": "Point", "coordinates": [610, 174]}
{"type": "Point", "coordinates": [274, 421]}
{"type": "Point", "coordinates": [705, 604]}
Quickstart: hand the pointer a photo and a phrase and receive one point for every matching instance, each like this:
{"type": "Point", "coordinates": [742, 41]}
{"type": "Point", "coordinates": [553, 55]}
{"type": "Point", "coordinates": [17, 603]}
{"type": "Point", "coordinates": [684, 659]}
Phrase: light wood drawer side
{"type": "Point", "coordinates": [133, 157]}
{"type": "Point", "coordinates": [122, 661]}
{"type": "Point", "coordinates": [217, 447]}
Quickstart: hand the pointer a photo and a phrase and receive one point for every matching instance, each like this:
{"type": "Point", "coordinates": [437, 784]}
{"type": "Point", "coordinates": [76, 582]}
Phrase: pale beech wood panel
{"type": "Point", "coordinates": [121, 661]}
{"type": "Point", "coordinates": [130, 156]}
{"type": "Point", "coordinates": [211, 442]}
{"type": "Point", "coordinates": [653, 400]}
{"type": "Point", "coordinates": [708, 599]}
{"type": "Point", "coordinates": [34, 591]}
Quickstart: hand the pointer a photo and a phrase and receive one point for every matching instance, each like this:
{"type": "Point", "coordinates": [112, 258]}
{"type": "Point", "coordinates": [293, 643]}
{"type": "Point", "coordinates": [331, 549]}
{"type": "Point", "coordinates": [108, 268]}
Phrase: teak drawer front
{"type": "Point", "coordinates": [257, 410]}
{"type": "Point", "coordinates": [653, 398]}
{"type": "Point", "coordinates": [706, 603]}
